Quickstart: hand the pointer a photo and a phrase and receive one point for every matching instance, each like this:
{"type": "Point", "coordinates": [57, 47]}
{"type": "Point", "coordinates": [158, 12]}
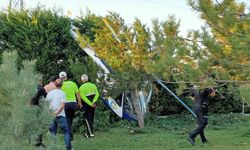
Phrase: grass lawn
{"type": "Point", "coordinates": [225, 132]}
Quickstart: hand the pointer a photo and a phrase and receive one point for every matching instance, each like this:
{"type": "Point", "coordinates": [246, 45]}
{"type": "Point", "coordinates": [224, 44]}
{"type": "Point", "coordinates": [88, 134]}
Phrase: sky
{"type": "Point", "coordinates": [145, 10]}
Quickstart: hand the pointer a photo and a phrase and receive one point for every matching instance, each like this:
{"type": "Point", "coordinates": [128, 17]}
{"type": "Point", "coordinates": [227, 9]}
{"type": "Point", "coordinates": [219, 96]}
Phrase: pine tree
{"type": "Point", "coordinates": [226, 39]}
{"type": "Point", "coordinates": [22, 123]}
{"type": "Point", "coordinates": [228, 44]}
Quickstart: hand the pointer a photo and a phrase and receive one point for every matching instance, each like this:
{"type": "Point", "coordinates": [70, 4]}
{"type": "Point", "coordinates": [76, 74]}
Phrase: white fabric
{"type": "Point", "coordinates": [115, 107]}
{"type": "Point", "coordinates": [55, 97]}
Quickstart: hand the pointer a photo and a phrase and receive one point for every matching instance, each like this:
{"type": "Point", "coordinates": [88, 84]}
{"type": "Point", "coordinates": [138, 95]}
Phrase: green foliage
{"type": "Point", "coordinates": [117, 54]}
{"type": "Point", "coordinates": [86, 66]}
{"type": "Point", "coordinates": [227, 100]}
{"type": "Point", "coordinates": [40, 35]}
{"type": "Point", "coordinates": [223, 121]}
{"type": "Point", "coordinates": [88, 24]}
{"type": "Point", "coordinates": [21, 121]}
{"type": "Point", "coordinates": [163, 103]}
{"type": "Point", "coordinates": [103, 120]}
{"type": "Point", "coordinates": [244, 93]}
{"type": "Point", "coordinates": [4, 106]}
{"type": "Point", "coordinates": [228, 38]}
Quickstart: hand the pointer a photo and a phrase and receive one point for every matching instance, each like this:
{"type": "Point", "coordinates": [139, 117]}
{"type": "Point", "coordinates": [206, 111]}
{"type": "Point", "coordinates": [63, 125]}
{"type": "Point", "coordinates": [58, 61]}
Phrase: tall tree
{"type": "Point", "coordinates": [226, 37]}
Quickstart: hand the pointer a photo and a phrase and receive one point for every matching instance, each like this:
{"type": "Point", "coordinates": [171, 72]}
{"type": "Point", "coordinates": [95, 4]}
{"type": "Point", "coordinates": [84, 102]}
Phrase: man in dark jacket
{"type": "Point", "coordinates": [35, 101]}
{"type": "Point", "coordinates": [201, 110]}
{"type": "Point", "coordinates": [40, 92]}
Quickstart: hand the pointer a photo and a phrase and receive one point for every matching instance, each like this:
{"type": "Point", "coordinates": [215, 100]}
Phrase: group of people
{"type": "Point", "coordinates": [64, 98]}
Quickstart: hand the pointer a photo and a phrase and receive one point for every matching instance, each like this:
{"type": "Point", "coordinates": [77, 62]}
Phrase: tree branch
{"type": "Point", "coordinates": [223, 10]}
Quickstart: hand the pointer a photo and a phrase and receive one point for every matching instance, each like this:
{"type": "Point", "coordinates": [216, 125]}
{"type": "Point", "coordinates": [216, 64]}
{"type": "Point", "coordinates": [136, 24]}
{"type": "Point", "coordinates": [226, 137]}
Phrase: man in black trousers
{"type": "Point", "coordinates": [35, 101]}
{"type": "Point", "coordinates": [201, 110]}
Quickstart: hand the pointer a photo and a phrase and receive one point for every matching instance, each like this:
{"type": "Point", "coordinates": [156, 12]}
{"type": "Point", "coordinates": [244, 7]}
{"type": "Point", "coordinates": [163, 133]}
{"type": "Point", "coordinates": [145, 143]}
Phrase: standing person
{"type": "Point", "coordinates": [51, 86]}
{"type": "Point", "coordinates": [40, 92]}
{"type": "Point", "coordinates": [72, 93]}
{"type": "Point", "coordinates": [57, 100]}
{"type": "Point", "coordinates": [201, 110]}
{"type": "Point", "coordinates": [90, 95]}
{"type": "Point", "coordinates": [35, 101]}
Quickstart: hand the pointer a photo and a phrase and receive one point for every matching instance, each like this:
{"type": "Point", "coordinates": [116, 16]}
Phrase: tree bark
{"type": "Point", "coordinates": [243, 107]}
{"type": "Point", "coordinates": [136, 106]}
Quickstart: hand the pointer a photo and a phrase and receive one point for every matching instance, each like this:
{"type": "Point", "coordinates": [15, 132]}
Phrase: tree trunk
{"type": "Point", "coordinates": [243, 107]}
{"type": "Point", "coordinates": [137, 109]}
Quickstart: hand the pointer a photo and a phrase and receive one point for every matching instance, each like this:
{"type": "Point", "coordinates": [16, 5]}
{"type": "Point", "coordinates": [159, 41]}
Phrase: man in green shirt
{"type": "Point", "coordinates": [89, 95]}
{"type": "Point", "coordinates": [72, 94]}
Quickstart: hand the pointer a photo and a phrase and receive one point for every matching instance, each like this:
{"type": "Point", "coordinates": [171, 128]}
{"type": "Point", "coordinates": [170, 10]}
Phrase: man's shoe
{"type": "Point", "coordinates": [91, 135]}
{"type": "Point", "coordinates": [40, 145]}
{"type": "Point", "coordinates": [191, 140]}
{"type": "Point", "coordinates": [86, 135]}
{"type": "Point", "coordinates": [205, 142]}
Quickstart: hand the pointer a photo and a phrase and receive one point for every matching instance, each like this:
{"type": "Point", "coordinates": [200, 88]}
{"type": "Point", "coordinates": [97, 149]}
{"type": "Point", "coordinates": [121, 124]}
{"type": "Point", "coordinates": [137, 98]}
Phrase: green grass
{"type": "Point", "coordinates": [225, 132]}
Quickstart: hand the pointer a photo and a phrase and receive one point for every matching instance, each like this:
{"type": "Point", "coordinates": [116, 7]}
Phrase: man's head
{"type": "Point", "coordinates": [84, 78]}
{"type": "Point", "coordinates": [63, 75]}
{"type": "Point", "coordinates": [59, 83]}
{"type": "Point", "coordinates": [52, 79]}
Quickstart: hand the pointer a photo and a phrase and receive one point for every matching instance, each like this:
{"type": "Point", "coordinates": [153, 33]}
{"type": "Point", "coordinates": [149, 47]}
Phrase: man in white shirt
{"type": "Point", "coordinates": [57, 100]}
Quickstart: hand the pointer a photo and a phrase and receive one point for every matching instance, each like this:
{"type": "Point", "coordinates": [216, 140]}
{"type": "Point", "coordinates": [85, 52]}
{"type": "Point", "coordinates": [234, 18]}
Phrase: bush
{"type": "Point", "coordinates": [227, 100]}
{"type": "Point", "coordinates": [41, 35]}
{"type": "Point", "coordinates": [163, 103]}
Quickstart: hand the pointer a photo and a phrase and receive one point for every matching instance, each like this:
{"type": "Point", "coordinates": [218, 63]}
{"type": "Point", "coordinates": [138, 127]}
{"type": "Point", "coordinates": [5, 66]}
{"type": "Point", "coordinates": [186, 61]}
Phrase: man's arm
{"type": "Point", "coordinates": [96, 97]}
{"type": "Point", "coordinates": [35, 99]}
{"type": "Point", "coordinates": [62, 104]}
{"type": "Point", "coordinates": [78, 97]}
{"type": "Point", "coordinates": [79, 101]}
{"type": "Point", "coordinates": [86, 100]}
